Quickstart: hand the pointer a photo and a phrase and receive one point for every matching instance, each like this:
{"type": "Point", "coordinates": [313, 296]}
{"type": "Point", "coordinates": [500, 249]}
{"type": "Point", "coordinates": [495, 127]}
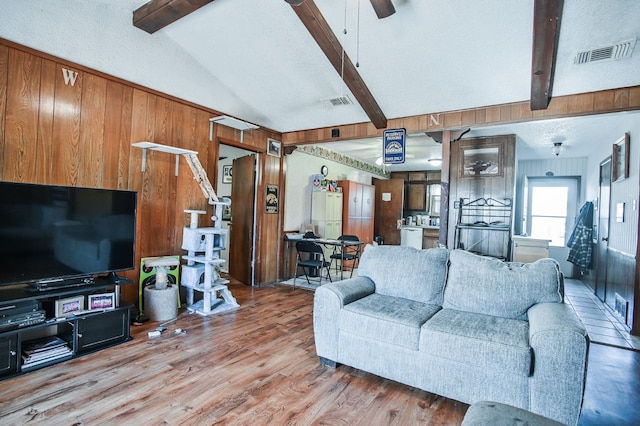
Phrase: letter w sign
{"type": "Point", "coordinates": [69, 76]}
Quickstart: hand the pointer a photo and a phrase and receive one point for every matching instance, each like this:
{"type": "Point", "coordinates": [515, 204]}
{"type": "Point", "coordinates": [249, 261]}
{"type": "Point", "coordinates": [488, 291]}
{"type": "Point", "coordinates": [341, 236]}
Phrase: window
{"type": "Point", "coordinates": [552, 206]}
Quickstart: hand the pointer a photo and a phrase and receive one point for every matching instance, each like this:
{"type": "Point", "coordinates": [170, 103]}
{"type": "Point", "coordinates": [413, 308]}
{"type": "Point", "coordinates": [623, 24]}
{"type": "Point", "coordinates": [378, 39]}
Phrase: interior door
{"type": "Point", "coordinates": [388, 209]}
{"type": "Point", "coordinates": [603, 228]}
{"type": "Point", "coordinates": [241, 224]}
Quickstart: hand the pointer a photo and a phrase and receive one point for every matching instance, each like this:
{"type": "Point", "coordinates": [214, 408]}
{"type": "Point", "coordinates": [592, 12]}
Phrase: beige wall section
{"type": "Point", "coordinates": [300, 167]}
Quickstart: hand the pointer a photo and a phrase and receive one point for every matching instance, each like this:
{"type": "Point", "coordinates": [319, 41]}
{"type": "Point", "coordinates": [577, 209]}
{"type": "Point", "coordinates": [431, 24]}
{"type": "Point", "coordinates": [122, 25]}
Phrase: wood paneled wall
{"type": "Point", "coordinates": [76, 127]}
{"type": "Point", "coordinates": [471, 188]}
{"type": "Point", "coordinates": [601, 102]}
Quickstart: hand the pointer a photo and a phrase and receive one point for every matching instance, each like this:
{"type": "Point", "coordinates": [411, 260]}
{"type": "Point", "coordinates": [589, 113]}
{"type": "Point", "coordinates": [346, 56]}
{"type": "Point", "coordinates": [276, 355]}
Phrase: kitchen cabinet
{"type": "Point", "coordinates": [358, 209]}
{"type": "Point", "coordinates": [419, 190]}
{"type": "Point", "coordinates": [416, 196]}
{"type": "Point", "coordinates": [430, 238]}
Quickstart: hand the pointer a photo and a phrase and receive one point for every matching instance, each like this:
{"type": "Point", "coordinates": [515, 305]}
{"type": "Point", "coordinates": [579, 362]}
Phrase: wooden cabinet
{"type": "Point", "coordinates": [430, 238]}
{"type": "Point", "coordinates": [74, 335]}
{"type": "Point", "coordinates": [358, 209]}
{"type": "Point", "coordinates": [326, 213]}
{"type": "Point", "coordinates": [416, 188]}
{"type": "Point", "coordinates": [416, 198]}
{"type": "Point", "coordinates": [527, 249]}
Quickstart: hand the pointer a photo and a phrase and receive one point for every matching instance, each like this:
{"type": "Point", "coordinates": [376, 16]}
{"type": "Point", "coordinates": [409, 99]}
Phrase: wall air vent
{"type": "Point", "coordinates": [621, 50]}
{"type": "Point", "coordinates": [337, 101]}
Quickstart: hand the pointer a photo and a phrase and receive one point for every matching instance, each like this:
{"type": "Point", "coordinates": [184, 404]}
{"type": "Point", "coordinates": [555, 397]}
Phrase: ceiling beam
{"type": "Point", "coordinates": [157, 14]}
{"type": "Point", "coordinates": [547, 15]}
{"type": "Point", "coordinates": [325, 38]}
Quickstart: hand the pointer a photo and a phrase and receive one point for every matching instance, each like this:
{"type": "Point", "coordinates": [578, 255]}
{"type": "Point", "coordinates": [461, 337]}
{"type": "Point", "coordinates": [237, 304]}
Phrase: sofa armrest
{"type": "Point", "coordinates": [560, 347]}
{"type": "Point", "coordinates": [328, 300]}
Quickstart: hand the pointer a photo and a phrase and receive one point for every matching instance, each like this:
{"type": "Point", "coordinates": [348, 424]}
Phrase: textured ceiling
{"type": "Point", "coordinates": [253, 59]}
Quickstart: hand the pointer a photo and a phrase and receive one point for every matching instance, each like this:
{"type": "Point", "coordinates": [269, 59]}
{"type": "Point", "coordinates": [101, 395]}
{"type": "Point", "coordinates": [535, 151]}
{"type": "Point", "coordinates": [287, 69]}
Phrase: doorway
{"type": "Point", "coordinates": [602, 234]}
{"type": "Point", "coordinates": [237, 180]}
{"type": "Point", "coordinates": [551, 208]}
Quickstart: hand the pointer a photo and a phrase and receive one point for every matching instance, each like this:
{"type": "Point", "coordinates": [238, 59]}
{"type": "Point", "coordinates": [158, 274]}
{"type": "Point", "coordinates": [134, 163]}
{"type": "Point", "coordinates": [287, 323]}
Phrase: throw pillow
{"type": "Point", "coordinates": [490, 286]}
{"type": "Point", "coordinates": [402, 271]}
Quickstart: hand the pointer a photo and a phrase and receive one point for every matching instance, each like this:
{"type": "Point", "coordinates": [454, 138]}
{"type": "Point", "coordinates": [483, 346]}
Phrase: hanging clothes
{"type": "Point", "coordinates": [580, 239]}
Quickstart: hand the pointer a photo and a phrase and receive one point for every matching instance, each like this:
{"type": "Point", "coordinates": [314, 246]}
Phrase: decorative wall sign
{"type": "Point", "coordinates": [227, 174]}
{"type": "Point", "coordinates": [320, 152]}
{"type": "Point", "coordinates": [271, 199]}
{"type": "Point", "coordinates": [620, 157]}
{"type": "Point", "coordinates": [393, 146]}
{"type": "Point", "coordinates": [274, 147]}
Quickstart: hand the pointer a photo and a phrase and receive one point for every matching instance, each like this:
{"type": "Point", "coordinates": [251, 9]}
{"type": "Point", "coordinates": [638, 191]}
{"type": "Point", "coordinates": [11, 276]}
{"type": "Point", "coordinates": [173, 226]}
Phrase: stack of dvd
{"type": "Point", "coordinates": [44, 350]}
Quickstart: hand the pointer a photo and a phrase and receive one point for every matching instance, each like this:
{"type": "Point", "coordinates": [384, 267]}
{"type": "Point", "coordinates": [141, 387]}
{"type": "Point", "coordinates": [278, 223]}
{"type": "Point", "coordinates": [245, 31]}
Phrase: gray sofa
{"type": "Point", "coordinates": [459, 325]}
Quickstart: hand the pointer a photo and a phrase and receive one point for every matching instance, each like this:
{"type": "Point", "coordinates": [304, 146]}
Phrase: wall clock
{"type": "Point", "coordinates": [324, 170]}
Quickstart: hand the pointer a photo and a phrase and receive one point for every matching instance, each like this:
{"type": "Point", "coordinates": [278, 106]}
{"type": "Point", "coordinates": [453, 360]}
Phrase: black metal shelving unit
{"type": "Point", "coordinates": [484, 226]}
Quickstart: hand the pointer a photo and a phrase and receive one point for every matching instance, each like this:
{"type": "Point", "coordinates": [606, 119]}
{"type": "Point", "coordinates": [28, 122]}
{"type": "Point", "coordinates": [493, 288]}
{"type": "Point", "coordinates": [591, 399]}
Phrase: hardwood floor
{"type": "Point", "coordinates": [256, 365]}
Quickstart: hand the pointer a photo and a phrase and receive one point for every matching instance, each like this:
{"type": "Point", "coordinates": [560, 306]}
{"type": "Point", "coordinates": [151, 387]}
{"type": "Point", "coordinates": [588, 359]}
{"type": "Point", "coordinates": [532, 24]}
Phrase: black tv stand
{"type": "Point", "coordinates": [81, 334]}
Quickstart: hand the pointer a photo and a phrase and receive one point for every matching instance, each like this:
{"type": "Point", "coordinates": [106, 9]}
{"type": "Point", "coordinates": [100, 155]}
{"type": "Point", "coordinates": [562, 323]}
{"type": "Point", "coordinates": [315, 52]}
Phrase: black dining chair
{"type": "Point", "coordinates": [346, 253]}
{"type": "Point", "coordinates": [310, 258]}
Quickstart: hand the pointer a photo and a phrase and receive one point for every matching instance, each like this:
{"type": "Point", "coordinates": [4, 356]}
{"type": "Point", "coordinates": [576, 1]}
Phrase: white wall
{"type": "Point", "coordinates": [622, 236]}
{"type": "Point", "coordinates": [299, 168]}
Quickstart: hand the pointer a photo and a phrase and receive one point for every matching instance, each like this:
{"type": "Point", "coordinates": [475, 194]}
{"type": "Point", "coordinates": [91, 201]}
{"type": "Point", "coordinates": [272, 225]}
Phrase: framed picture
{"type": "Point", "coordinates": [227, 174]}
{"type": "Point", "coordinates": [102, 301]}
{"type": "Point", "coordinates": [271, 200]}
{"type": "Point", "coordinates": [620, 159]}
{"type": "Point", "coordinates": [67, 307]}
{"type": "Point", "coordinates": [226, 211]}
{"type": "Point", "coordinates": [273, 147]}
{"type": "Point", "coordinates": [481, 161]}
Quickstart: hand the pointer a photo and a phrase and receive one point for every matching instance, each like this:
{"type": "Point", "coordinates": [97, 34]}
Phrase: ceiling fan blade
{"type": "Point", "coordinates": [383, 8]}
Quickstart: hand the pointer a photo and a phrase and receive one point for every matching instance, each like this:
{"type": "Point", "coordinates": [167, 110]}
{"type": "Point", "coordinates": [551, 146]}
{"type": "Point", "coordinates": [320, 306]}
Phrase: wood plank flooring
{"type": "Point", "coordinates": [257, 366]}
{"type": "Point", "coordinates": [253, 366]}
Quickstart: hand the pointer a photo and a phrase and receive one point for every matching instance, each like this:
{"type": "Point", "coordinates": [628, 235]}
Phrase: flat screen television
{"type": "Point", "coordinates": [52, 232]}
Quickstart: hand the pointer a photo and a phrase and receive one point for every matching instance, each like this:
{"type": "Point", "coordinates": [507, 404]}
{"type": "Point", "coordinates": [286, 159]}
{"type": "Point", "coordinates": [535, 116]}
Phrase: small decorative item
{"type": "Point", "coordinates": [226, 211]}
{"type": "Point", "coordinates": [67, 307]}
{"type": "Point", "coordinates": [324, 170]}
{"type": "Point", "coordinates": [227, 174]}
{"type": "Point", "coordinates": [102, 301]}
{"type": "Point", "coordinates": [620, 159]}
{"type": "Point", "coordinates": [271, 203]}
{"type": "Point", "coordinates": [316, 183]}
{"type": "Point", "coordinates": [273, 147]}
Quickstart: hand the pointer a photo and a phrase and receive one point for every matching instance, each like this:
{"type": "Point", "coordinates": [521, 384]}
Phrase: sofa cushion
{"type": "Point", "coordinates": [388, 319]}
{"type": "Point", "coordinates": [489, 286]}
{"type": "Point", "coordinates": [401, 271]}
{"type": "Point", "coordinates": [485, 341]}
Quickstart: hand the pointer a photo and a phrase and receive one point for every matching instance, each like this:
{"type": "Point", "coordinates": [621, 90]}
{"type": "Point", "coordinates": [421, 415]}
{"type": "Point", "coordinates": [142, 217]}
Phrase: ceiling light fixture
{"type": "Point", "coordinates": [557, 148]}
{"type": "Point", "coordinates": [383, 8]}
{"type": "Point", "coordinates": [435, 161]}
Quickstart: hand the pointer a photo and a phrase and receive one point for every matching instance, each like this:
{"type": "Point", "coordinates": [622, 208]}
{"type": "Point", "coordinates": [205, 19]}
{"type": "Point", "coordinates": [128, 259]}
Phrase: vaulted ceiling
{"type": "Point", "coordinates": [277, 65]}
